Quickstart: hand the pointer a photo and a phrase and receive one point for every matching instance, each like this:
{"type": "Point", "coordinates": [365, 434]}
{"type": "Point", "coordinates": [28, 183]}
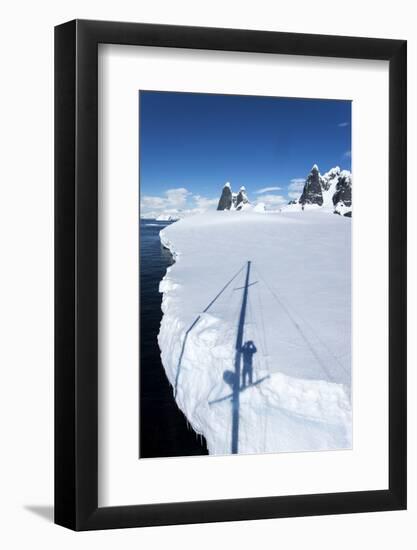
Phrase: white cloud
{"type": "Point", "coordinates": [272, 201]}
{"type": "Point", "coordinates": [177, 198]}
{"type": "Point", "coordinates": [267, 190]}
{"type": "Point", "coordinates": [295, 188]}
{"type": "Point", "coordinates": [204, 203]}
{"type": "Point", "coordinates": [152, 202]}
{"type": "Point", "coordinates": [343, 124]}
{"type": "Point", "coordinates": [347, 154]}
{"type": "Point", "coordinates": [175, 201]}
{"type": "Point", "coordinates": [297, 184]}
{"type": "Point", "coordinates": [174, 198]}
{"type": "Point", "coordinates": [294, 195]}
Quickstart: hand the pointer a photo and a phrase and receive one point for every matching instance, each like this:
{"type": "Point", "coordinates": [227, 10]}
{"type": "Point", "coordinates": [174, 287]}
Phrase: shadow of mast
{"type": "Point", "coordinates": [238, 359]}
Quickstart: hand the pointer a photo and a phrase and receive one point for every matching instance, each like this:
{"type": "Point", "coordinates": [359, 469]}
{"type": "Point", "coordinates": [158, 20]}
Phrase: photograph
{"type": "Point", "coordinates": [245, 274]}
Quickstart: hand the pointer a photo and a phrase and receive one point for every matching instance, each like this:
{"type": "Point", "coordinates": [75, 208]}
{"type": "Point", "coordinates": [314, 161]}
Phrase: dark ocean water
{"type": "Point", "coordinates": [163, 427]}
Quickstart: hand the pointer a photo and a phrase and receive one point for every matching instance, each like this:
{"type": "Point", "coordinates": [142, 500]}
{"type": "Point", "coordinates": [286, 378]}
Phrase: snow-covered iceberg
{"type": "Point", "coordinates": [167, 217]}
{"type": "Point", "coordinates": [297, 317]}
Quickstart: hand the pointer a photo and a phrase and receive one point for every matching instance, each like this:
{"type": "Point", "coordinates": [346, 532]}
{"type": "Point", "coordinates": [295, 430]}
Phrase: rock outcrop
{"type": "Point", "coordinates": [332, 190]}
{"type": "Point", "coordinates": [312, 192]}
{"type": "Point", "coordinates": [241, 198]}
{"type": "Point", "coordinates": [225, 202]}
{"type": "Point", "coordinates": [232, 201]}
{"type": "Point", "coordinates": [343, 196]}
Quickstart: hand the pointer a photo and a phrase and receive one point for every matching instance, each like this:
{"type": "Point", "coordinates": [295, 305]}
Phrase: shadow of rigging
{"type": "Point", "coordinates": [241, 389]}
{"type": "Point", "coordinates": [190, 328]}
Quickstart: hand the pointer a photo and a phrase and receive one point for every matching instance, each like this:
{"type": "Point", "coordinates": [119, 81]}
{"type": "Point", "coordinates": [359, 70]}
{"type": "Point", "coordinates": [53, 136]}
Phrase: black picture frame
{"type": "Point", "coordinates": [76, 272]}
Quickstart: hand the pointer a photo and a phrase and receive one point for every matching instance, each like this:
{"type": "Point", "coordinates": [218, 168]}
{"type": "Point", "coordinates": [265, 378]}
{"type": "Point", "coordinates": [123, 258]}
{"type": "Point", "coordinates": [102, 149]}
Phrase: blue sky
{"type": "Point", "coordinates": [192, 144]}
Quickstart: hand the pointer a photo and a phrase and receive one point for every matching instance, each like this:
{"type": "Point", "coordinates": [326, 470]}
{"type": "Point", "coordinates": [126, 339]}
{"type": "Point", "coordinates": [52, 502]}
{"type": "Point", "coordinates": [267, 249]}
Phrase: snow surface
{"type": "Point", "coordinates": [259, 207]}
{"type": "Point", "coordinates": [298, 316]}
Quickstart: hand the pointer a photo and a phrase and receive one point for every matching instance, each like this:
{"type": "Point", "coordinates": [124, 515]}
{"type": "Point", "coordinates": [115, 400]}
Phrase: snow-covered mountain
{"type": "Point", "coordinates": [232, 201]}
{"type": "Point", "coordinates": [226, 198]}
{"type": "Point", "coordinates": [332, 190]}
{"type": "Point", "coordinates": [241, 198]}
{"type": "Point", "coordinates": [342, 198]}
{"type": "Point", "coordinates": [312, 192]}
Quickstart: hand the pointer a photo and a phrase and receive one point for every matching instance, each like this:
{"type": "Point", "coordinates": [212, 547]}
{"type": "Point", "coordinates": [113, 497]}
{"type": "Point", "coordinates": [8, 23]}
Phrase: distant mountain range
{"type": "Point", "coordinates": [331, 191]}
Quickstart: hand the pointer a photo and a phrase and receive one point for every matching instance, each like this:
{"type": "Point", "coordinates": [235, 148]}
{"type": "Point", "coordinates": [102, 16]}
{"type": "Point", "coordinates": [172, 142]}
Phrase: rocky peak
{"type": "Point", "coordinates": [312, 192]}
{"type": "Point", "coordinates": [225, 202]}
{"type": "Point", "coordinates": [241, 198]}
{"type": "Point", "coordinates": [343, 196]}
{"type": "Point", "coordinates": [229, 200]}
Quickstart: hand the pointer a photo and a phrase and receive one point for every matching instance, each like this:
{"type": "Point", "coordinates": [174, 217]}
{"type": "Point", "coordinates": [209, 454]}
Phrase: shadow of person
{"type": "Point", "coordinates": [248, 351]}
{"type": "Point", "coordinates": [229, 377]}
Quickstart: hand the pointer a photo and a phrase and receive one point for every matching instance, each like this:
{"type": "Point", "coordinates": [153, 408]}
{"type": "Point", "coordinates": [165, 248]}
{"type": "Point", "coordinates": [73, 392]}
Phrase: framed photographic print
{"type": "Point", "coordinates": [230, 275]}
